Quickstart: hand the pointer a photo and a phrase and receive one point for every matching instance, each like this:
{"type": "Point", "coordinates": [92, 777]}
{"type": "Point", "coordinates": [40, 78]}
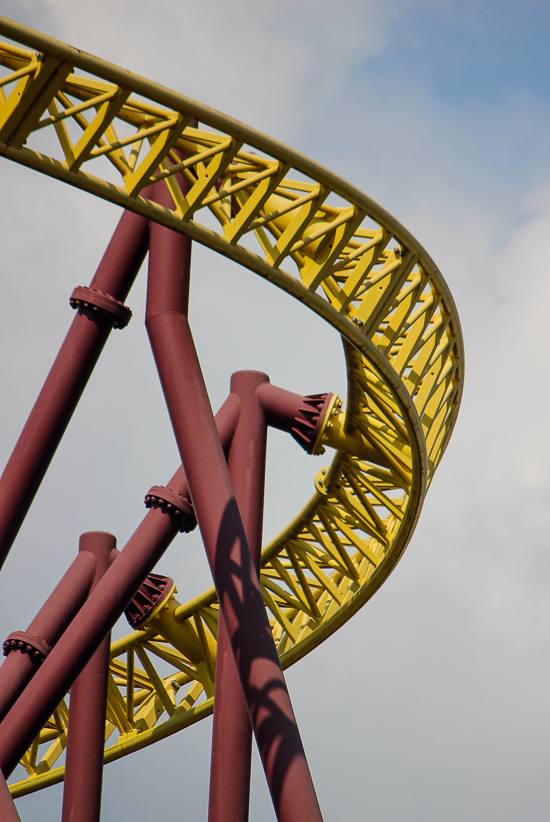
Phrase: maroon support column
{"type": "Point", "coordinates": [26, 650]}
{"type": "Point", "coordinates": [236, 581]}
{"type": "Point", "coordinates": [100, 612]}
{"type": "Point", "coordinates": [8, 811]}
{"type": "Point", "coordinates": [232, 732]}
{"type": "Point", "coordinates": [87, 709]}
{"type": "Point", "coordinates": [99, 308]}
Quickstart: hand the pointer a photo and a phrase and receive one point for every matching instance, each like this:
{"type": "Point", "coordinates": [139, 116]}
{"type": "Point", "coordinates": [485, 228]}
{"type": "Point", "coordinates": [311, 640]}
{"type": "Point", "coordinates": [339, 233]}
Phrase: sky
{"type": "Point", "coordinates": [432, 702]}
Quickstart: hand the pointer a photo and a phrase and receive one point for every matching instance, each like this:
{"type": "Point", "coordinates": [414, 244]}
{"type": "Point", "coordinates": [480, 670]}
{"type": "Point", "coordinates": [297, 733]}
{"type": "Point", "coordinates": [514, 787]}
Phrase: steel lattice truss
{"type": "Point", "coordinates": [101, 129]}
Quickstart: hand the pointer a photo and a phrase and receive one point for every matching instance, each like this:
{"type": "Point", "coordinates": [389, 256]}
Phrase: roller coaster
{"type": "Point", "coordinates": [176, 168]}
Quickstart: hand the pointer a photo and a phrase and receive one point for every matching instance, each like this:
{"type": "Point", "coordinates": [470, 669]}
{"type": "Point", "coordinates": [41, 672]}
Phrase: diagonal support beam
{"type": "Point", "coordinates": [67, 379]}
{"type": "Point", "coordinates": [239, 592]}
{"type": "Point", "coordinates": [97, 616]}
{"type": "Point", "coordinates": [8, 811]}
{"type": "Point", "coordinates": [128, 571]}
{"type": "Point", "coordinates": [106, 113]}
{"type": "Point", "coordinates": [22, 110]}
{"type": "Point", "coordinates": [23, 661]}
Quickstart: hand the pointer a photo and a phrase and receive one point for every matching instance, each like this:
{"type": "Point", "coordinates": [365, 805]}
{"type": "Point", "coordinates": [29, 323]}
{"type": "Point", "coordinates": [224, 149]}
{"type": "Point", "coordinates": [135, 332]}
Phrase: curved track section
{"type": "Point", "coordinates": [99, 128]}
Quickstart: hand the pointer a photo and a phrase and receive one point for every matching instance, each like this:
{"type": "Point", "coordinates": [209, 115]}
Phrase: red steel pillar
{"type": "Point", "coordinates": [100, 307]}
{"type": "Point", "coordinates": [87, 709]}
{"type": "Point", "coordinates": [8, 811]}
{"type": "Point", "coordinates": [235, 578]}
{"type": "Point", "coordinates": [103, 607]}
{"type": "Point", "coordinates": [26, 650]}
{"type": "Point", "coordinates": [232, 732]}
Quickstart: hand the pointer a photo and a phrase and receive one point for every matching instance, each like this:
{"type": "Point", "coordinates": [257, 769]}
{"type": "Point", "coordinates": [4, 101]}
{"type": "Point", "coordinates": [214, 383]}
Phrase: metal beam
{"type": "Point", "coordinates": [87, 707]}
{"type": "Point", "coordinates": [226, 546]}
{"type": "Point", "coordinates": [232, 732]}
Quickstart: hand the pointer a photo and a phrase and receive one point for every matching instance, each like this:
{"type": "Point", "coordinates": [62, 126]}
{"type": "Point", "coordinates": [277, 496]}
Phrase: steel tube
{"type": "Point", "coordinates": [87, 709]}
{"type": "Point", "coordinates": [280, 406]}
{"type": "Point", "coordinates": [232, 733]}
{"type": "Point", "coordinates": [8, 811]}
{"type": "Point", "coordinates": [235, 578]}
{"type": "Point", "coordinates": [67, 379]}
{"type": "Point", "coordinates": [48, 625]}
{"type": "Point", "coordinates": [97, 616]}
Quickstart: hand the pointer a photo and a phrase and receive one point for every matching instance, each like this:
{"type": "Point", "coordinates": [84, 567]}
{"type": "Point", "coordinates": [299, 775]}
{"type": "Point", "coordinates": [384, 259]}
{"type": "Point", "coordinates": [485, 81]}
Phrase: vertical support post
{"type": "Point", "coordinates": [87, 709]}
{"type": "Point", "coordinates": [27, 650]}
{"type": "Point", "coordinates": [232, 733]}
{"type": "Point", "coordinates": [235, 578]}
{"type": "Point", "coordinates": [98, 615]}
{"type": "Point", "coordinates": [67, 379]}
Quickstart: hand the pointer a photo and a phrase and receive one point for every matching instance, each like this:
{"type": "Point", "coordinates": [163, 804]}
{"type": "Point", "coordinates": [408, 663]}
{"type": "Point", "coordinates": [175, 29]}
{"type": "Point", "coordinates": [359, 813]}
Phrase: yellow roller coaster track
{"type": "Point", "coordinates": [102, 129]}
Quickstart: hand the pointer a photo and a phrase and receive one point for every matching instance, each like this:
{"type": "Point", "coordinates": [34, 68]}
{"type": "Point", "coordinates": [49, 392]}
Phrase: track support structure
{"type": "Point", "coordinates": [8, 811]}
{"type": "Point", "coordinates": [87, 708]}
{"type": "Point", "coordinates": [241, 602]}
{"type": "Point", "coordinates": [99, 309]}
{"type": "Point", "coordinates": [27, 650]}
{"type": "Point", "coordinates": [185, 171]}
{"type": "Point", "coordinates": [232, 732]}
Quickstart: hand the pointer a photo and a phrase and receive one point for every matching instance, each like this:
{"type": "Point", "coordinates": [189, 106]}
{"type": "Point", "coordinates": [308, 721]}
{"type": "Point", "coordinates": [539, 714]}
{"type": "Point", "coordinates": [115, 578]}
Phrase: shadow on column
{"type": "Point", "coordinates": [278, 743]}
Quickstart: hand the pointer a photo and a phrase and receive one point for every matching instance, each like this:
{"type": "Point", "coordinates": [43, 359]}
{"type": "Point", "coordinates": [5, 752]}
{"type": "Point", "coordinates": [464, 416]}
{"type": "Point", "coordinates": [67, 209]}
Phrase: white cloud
{"type": "Point", "coordinates": [265, 63]}
{"type": "Point", "coordinates": [441, 681]}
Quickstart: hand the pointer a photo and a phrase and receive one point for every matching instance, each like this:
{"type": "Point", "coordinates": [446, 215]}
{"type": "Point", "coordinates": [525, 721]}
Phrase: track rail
{"type": "Point", "coordinates": [97, 127]}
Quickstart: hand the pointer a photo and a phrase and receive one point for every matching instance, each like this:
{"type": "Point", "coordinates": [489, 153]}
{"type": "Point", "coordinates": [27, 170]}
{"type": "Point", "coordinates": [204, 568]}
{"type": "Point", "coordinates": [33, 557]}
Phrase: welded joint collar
{"type": "Point", "coordinates": [174, 504]}
{"type": "Point", "coordinates": [37, 649]}
{"type": "Point", "coordinates": [118, 314]}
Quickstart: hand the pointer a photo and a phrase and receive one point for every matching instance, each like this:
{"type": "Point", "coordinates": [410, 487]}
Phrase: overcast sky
{"type": "Point", "coordinates": [432, 703]}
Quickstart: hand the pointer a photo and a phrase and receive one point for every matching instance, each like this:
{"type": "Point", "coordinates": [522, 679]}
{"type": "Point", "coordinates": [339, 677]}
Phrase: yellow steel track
{"type": "Point", "coordinates": [97, 127]}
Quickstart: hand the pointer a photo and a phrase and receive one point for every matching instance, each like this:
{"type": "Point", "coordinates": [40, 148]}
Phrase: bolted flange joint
{"type": "Point", "coordinates": [116, 312]}
{"type": "Point", "coordinates": [174, 504]}
{"type": "Point", "coordinates": [150, 598]}
{"type": "Point", "coordinates": [309, 422]}
{"type": "Point", "coordinates": [28, 644]}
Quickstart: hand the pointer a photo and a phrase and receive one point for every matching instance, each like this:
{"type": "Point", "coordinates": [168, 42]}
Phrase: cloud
{"type": "Point", "coordinates": [265, 63]}
{"type": "Point", "coordinates": [431, 703]}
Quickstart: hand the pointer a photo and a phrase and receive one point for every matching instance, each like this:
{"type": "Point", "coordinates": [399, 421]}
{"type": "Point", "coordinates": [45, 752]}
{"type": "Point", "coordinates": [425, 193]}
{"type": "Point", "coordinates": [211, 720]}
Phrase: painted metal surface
{"type": "Point", "coordinates": [55, 615]}
{"type": "Point", "coordinates": [223, 535]}
{"type": "Point", "coordinates": [86, 731]}
{"type": "Point", "coordinates": [8, 811]}
{"type": "Point", "coordinates": [42, 703]}
{"type": "Point", "coordinates": [67, 379]}
{"type": "Point", "coordinates": [324, 243]}
{"type": "Point", "coordinates": [230, 763]}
